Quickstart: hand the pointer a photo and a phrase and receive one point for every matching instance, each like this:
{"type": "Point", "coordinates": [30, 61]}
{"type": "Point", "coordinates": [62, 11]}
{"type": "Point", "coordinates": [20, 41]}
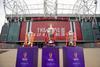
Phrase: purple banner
{"type": "Point", "coordinates": [50, 57]}
{"type": "Point", "coordinates": [27, 57]}
{"type": "Point", "coordinates": [73, 57]}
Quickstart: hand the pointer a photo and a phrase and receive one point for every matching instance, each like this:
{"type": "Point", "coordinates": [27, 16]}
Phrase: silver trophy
{"type": "Point", "coordinates": [50, 32]}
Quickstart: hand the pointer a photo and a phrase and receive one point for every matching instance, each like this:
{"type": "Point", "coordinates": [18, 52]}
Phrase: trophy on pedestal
{"type": "Point", "coordinates": [71, 38]}
{"type": "Point", "coordinates": [50, 32]}
{"type": "Point", "coordinates": [29, 39]}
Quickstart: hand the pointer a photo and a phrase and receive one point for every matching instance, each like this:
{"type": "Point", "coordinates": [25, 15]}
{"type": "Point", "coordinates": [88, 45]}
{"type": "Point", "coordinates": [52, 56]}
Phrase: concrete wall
{"type": "Point", "coordinates": [92, 57]}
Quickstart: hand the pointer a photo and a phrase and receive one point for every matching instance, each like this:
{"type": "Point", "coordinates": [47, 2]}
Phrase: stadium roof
{"type": "Point", "coordinates": [42, 15]}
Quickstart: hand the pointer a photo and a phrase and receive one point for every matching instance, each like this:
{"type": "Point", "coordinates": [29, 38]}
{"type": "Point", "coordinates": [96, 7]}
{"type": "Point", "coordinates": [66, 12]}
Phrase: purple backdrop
{"type": "Point", "coordinates": [73, 57]}
{"type": "Point", "coordinates": [50, 57]}
{"type": "Point", "coordinates": [27, 57]}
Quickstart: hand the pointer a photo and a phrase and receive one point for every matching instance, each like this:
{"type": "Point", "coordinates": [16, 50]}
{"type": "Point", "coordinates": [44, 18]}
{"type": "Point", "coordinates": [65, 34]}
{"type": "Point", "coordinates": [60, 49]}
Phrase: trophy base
{"type": "Point", "coordinates": [51, 43]}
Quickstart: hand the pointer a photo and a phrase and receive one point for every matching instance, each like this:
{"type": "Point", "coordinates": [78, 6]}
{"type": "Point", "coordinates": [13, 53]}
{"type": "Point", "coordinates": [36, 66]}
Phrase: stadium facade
{"type": "Point", "coordinates": [88, 34]}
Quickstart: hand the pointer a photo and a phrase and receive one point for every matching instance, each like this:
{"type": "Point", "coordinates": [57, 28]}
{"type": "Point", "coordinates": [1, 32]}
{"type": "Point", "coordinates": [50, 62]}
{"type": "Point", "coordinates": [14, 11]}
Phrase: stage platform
{"type": "Point", "coordinates": [91, 57]}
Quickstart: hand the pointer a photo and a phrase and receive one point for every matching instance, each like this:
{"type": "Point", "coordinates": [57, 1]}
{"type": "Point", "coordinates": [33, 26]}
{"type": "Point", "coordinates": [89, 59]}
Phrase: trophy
{"type": "Point", "coordinates": [50, 32]}
{"type": "Point", "coordinates": [31, 38]}
{"type": "Point", "coordinates": [70, 38]}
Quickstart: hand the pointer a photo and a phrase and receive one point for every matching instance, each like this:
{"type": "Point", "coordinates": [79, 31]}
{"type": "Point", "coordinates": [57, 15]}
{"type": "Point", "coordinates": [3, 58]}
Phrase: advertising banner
{"type": "Point", "coordinates": [50, 57]}
{"type": "Point", "coordinates": [60, 29]}
{"type": "Point", "coordinates": [73, 57]}
{"type": "Point", "coordinates": [27, 57]}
